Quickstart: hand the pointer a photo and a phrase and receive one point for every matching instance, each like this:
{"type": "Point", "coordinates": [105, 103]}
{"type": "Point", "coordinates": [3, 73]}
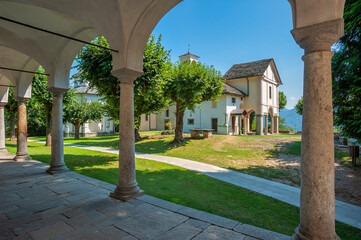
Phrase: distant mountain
{"type": "Point", "coordinates": [292, 118]}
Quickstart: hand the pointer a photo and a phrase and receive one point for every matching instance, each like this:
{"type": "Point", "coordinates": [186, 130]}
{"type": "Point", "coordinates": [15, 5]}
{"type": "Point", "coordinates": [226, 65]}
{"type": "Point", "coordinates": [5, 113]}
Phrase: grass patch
{"type": "Point", "coordinates": [188, 188]}
{"type": "Point", "coordinates": [252, 154]}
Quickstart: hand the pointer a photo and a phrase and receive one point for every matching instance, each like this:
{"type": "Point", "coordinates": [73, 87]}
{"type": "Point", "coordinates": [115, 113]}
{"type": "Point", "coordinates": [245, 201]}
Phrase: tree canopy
{"type": "Point", "coordinates": [299, 106]}
{"type": "Point", "coordinates": [346, 70]}
{"type": "Point", "coordinates": [192, 83]}
{"type": "Point", "coordinates": [282, 100]}
{"type": "Point", "coordinates": [95, 66]}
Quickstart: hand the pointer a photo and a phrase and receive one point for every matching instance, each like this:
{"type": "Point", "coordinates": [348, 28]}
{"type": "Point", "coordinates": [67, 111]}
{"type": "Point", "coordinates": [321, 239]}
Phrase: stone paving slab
{"type": "Point", "coordinates": [345, 212]}
{"type": "Point", "coordinates": [73, 206]}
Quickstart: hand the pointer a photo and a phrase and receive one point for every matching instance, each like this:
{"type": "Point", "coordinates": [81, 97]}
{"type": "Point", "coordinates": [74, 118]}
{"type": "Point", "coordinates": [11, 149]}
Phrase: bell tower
{"type": "Point", "coordinates": [188, 57]}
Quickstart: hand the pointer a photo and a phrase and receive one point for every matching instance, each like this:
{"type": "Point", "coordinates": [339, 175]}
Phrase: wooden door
{"type": "Point", "coordinates": [215, 124]}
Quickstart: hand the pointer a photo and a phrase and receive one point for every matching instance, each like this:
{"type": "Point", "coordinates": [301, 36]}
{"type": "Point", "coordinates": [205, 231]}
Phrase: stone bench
{"type": "Point", "coordinates": [196, 133]}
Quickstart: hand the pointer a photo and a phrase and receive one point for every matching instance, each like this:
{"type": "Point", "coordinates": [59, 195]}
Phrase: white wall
{"type": "Point", "coordinates": [204, 114]}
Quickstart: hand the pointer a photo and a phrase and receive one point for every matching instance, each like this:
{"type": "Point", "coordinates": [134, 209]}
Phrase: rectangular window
{"type": "Point", "coordinates": [214, 104]}
{"type": "Point", "coordinates": [233, 100]}
{"type": "Point", "coordinates": [146, 117]}
{"type": "Point", "coordinates": [190, 121]}
{"type": "Point", "coordinates": [167, 113]}
{"type": "Point", "coordinates": [270, 92]}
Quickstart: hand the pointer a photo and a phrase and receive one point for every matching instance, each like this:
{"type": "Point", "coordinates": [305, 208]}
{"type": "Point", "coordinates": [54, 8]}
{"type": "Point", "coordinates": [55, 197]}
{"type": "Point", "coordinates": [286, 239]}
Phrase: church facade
{"type": "Point", "coordinates": [251, 91]}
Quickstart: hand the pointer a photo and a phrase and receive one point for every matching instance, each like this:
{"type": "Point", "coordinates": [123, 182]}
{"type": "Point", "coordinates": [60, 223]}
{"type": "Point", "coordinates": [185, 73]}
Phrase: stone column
{"type": "Point", "coordinates": [22, 133]}
{"type": "Point", "coordinates": [266, 124]}
{"type": "Point", "coordinates": [246, 123]}
{"type": "Point", "coordinates": [317, 208]}
{"type": "Point", "coordinates": [275, 124]}
{"type": "Point", "coordinates": [259, 124]}
{"type": "Point", "coordinates": [272, 125]}
{"type": "Point", "coordinates": [127, 187]}
{"type": "Point", "coordinates": [57, 164]}
{"type": "Point", "coordinates": [2, 127]}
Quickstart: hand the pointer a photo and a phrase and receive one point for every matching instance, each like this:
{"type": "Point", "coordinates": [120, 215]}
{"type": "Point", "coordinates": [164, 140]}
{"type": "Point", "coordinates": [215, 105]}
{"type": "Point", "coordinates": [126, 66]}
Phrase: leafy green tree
{"type": "Point", "coordinates": [95, 66]}
{"type": "Point", "coordinates": [299, 106]}
{"type": "Point", "coordinates": [282, 100]}
{"type": "Point", "coordinates": [192, 83]}
{"type": "Point", "coordinates": [11, 109]}
{"type": "Point", "coordinates": [36, 119]}
{"type": "Point", "coordinates": [41, 95]}
{"type": "Point", "coordinates": [346, 69]}
{"type": "Point", "coordinates": [79, 111]}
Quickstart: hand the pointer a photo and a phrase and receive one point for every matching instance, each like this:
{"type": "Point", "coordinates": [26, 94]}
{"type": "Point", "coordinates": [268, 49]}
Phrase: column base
{"type": "Point", "coordinates": [127, 193]}
{"type": "Point", "coordinates": [22, 158]}
{"type": "Point", "coordinates": [59, 169]}
{"type": "Point", "coordinates": [300, 236]}
{"type": "Point", "coordinates": [3, 150]}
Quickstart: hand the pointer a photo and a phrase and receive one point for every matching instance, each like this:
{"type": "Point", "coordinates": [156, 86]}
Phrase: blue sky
{"type": "Point", "coordinates": [229, 32]}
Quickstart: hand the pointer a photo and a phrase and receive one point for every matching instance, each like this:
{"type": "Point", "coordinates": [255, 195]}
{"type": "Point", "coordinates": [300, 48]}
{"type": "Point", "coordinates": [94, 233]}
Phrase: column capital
{"type": "Point", "coordinates": [57, 92]}
{"type": "Point", "coordinates": [22, 100]}
{"type": "Point", "coordinates": [126, 75]}
{"type": "Point", "coordinates": [2, 104]}
{"type": "Point", "coordinates": [319, 37]}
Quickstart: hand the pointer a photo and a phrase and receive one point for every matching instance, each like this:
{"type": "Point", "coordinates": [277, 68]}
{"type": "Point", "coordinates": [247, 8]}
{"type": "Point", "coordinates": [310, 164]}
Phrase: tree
{"type": "Point", "coordinates": [299, 106]}
{"type": "Point", "coordinates": [346, 71]}
{"type": "Point", "coordinates": [11, 109]}
{"type": "Point", "coordinates": [95, 66]}
{"type": "Point", "coordinates": [191, 83]}
{"type": "Point", "coordinates": [41, 95]}
{"type": "Point", "coordinates": [282, 100]}
{"type": "Point", "coordinates": [78, 112]}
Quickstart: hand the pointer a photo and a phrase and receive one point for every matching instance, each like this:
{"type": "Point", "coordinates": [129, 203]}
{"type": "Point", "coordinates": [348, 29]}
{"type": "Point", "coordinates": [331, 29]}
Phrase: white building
{"type": "Point", "coordinates": [249, 87]}
{"type": "Point", "coordinates": [105, 126]}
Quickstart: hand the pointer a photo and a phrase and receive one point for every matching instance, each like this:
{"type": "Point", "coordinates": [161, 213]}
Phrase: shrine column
{"type": "Point", "coordinates": [266, 124]}
{"type": "Point", "coordinates": [2, 127]}
{"type": "Point", "coordinates": [22, 132]}
{"type": "Point", "coordinates": [246, 124]}
{"type": "Point", "coordinates": [127, 187]}
{"type": "Point", "coordinates": [272, 125]}
{"type": "Point", "coordinates": [57, 164]}
{"type": "Point", "coordinates": [259, 124]}
{"type": "Point", "coordinates": [317, 210]}
{"type": "Point", "coordinates": [275, 120]}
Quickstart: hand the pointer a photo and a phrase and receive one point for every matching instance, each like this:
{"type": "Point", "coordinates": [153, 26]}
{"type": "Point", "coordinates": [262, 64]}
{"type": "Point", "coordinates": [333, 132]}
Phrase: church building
{"type": "Point", "coordinates": [250, 92]}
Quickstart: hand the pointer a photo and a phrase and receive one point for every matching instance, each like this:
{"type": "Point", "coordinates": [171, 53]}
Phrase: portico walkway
{"type": "Point", "coordinates": [36, 205]}
{"type": "Point", "coordinates": [345, 212]}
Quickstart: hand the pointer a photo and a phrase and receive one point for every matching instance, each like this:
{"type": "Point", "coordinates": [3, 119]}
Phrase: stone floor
{"type": "Point", "coordinates": [35, 205]}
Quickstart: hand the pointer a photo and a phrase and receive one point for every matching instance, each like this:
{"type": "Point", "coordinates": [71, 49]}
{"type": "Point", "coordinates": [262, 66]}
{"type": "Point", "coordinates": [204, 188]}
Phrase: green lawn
{"type": "Point", "coordinates": [248, 154]}
{"type": "Point", "coordinates": [188, 188]}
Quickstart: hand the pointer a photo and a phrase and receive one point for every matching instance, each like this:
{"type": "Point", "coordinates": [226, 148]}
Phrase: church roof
{"type": "Point", "coordinates": [190, 54]}
{"type": "Point", "coordinates": [228, 89]}
{"type": "Point", "coordinates": [250, 69]}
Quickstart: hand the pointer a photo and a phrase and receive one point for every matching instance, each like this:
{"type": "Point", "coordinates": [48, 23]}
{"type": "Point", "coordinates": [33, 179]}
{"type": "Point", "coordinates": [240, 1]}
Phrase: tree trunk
{"type": "Point", "coordinates": [137, 135]}
{"type": "Point", "coordinates": [136, 129]}
{"type": "Point", "coordinates": [77, 130]}
{"type": "Point", "coordinates": [48, 124]}
{"type": "Point", "coordinates": [179, 124]}
{"type": "Point", "coordinates": [12, 129]}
